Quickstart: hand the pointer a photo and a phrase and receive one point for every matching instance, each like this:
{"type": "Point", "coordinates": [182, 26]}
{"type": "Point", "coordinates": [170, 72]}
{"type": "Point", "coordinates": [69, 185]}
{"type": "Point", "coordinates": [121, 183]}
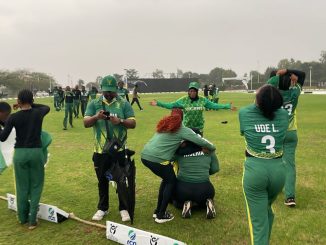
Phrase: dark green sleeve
{"type": "Point", "coordinates": [190, 135]}
{"type": "Point", "coordinates": [240, 122]}
{"type": "Point", "coordinates": [215, 166]}
{"type": "Point", "coordinates": [128, 111]}
{"type": "Point", "coordinates": [274, 81]}
{"type": "Point", "coordinates": [211, 105]}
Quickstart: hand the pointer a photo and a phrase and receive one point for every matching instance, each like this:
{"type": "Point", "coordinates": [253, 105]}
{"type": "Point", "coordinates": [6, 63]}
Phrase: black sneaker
{"type": "Point", "coordinates": [211, 213]}
{"type": "Point", "coordinates": [186, 211]}
{"type": "Point", "coordinates": [290, 202]}
{"type": "Point", "coordinates": [164, 218]}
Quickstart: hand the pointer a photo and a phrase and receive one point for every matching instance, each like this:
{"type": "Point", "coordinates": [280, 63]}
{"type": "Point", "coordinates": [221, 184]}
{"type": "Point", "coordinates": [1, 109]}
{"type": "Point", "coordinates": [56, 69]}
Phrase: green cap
{"type": "Point", "coordinates": [109, 84]}
{"type": "Point", "coordinates": [194, 85]}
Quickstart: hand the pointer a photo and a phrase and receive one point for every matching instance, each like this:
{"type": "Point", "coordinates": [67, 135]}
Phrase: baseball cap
{"type": "Point", "coordinates": [194, 85]}
{"type": "Point", "coordinates": [109, 84]}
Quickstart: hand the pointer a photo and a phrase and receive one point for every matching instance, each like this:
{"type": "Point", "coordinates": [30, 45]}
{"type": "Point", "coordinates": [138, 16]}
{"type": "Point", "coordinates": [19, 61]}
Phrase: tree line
{"type": "Point", "coordinates": [315, 70]}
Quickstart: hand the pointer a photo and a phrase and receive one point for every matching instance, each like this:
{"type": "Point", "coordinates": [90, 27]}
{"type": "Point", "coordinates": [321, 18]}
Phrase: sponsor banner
{"type": "Point", "coordinates": [7, 148]}
{"type": "Point", "coordinates": [127, 235]}
{"type": "Point", "coordinates": [45, 211]}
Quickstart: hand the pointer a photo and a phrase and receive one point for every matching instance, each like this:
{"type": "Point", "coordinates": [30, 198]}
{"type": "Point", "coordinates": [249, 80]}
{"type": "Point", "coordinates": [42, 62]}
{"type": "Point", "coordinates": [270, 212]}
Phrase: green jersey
{"type": "Point", "coordinates": [264, 138]}
{"type": "Point", "coordinates": [119, 108]}
{"type": "Point", "coordinates": [193, 109]}
{"type": "Point", "coordinates": [92, 94]}
{"type": "Point", "coordinates": [196, 167]}
{"type": "Point", "coordinates": [290, 100]}
{"type": "Point", "coordinates": [122, 92]}
{"type": "Point", "coordinates": [56, 94]}
{"type": "Point", "coordinates": [162, 146]}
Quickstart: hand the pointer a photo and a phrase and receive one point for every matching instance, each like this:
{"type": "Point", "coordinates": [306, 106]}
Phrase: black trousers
{"type": "Point", "coordinates": [195, 192]}
{"type": "Point", "coordinates": [137, 101]}
{"type": "Point", "coordinates": [167, 185]}
{"type": "Point", "coordinates": [103, 162]}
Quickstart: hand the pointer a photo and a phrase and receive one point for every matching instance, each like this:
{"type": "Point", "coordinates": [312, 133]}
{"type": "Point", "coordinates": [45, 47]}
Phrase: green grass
{"type": "Point", "coordinates": [72, 186]}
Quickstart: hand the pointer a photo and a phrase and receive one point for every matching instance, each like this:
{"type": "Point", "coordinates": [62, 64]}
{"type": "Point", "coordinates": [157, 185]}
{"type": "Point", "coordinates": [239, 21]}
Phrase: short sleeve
{"type": "Point", "coordinates": [128, 111]}
{"type": "Point", "coordinates": [90, 109]}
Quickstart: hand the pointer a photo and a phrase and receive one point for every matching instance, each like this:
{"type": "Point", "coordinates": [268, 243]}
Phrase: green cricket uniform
{"type": "Point", "coordinates": [264, 170]}
{"type": "Point", "coordinates": [193, 110]}
{"type": "Point", "coordinates": [28, 159]}
{"type": "Point", "coordinates": [290, 102]}
{"type": "Point", "coordinates": [123, 92]}
{"type": "Point", "coordinates": [92, 94]}
{"type": "Point", "coordinates": [77, 95]}
{"type": "Point", "coordinates": [84, 96]}
{"type": "Point", "coordinates": [56, 98]}
{"type": "Point", "coordinates": [119, 108]}
{"type": "Point", "coordinates": [193, 182]}
{"type": "Point", "coordinates": [162, 146]}
{"type": "Point", "coordinates": [196, 167]}
{"type": "Point", "coordinates": [61, 98]}
{"type": "Point", "coordinates": [69, 99]}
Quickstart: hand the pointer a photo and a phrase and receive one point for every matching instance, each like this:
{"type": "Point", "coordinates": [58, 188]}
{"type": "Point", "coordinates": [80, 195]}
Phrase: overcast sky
{"type": "Point", "coordinates": [87, 38]}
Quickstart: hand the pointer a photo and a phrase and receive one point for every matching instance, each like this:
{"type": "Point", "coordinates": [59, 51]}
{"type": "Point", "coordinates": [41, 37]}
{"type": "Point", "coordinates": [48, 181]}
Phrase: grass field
{"type": "Point", "coordinates": [71, 183]}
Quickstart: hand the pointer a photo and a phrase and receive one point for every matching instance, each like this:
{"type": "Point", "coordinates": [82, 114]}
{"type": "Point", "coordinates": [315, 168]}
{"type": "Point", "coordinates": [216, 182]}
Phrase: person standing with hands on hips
{"type": "Point", "coordinates": [110, 116]}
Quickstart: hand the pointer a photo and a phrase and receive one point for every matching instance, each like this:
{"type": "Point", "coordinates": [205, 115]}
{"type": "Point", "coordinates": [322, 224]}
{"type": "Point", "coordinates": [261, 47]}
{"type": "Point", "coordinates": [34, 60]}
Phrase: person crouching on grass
{"type": "Point", "coordinates": [28, 156]}
{"type": "Point", "coordinates": [159, 151]}
{"type": "Point", "coordinates": [193, 187]}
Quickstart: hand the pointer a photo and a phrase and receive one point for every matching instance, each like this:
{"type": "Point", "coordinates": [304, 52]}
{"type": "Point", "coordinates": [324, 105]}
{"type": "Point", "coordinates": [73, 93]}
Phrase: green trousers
{"type": "Point", "coordinates": [56, 103]}
{"type": "Point", "coordinates": [263, 180]}
{"type": "Point", "coordinates": [290, 145]}
{"type": "Point", "coordinates": [29, 178]}
{"type": "Point", "coordinates": [76, 107]}
{"type": "Point", "coordinates": [68, 113]}
{"type": "Point", "coordinates": [83, 105]}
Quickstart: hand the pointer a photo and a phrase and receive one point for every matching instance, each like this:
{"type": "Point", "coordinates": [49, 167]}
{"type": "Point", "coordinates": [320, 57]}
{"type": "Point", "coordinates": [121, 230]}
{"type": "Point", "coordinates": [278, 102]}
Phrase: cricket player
{"type": "Point", "coordinates": [289, 82]}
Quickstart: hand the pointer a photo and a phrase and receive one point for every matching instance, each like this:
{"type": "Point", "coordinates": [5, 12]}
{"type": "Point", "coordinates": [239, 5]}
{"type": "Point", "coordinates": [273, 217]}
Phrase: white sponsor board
{"type": "Point", "coordinates": [46, 212]}
{"type": "Point", "coordinates": [127, 235]}
{"type": "Point", "coordinates": [7, 147]}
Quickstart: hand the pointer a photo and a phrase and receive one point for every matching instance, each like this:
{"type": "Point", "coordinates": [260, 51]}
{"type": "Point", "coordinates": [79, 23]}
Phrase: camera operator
{"type": "Point", "coordinates": [110, 116]}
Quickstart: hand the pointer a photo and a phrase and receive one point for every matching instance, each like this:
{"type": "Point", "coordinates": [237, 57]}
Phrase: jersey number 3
{"type": "Point", "coordinates": [270, 140]}
{"type": "Point", "coordinates": [288, 107]}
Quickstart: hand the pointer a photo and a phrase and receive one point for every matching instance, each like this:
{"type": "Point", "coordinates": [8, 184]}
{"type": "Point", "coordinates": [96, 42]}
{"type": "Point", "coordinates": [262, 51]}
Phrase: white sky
{"type": "Point", "coordinates": [87, 38]}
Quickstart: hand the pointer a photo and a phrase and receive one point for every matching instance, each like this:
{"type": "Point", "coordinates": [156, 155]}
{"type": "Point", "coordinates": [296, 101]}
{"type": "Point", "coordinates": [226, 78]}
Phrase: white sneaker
{"type": "Point", "coordinates": [99, 215]}
{"type": "Point", "coordinates": [124, 215]}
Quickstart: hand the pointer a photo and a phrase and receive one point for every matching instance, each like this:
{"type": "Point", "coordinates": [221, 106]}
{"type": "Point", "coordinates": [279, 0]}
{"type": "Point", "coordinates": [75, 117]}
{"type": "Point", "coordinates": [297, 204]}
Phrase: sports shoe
{"type": "Point", "coordinates": [99, 215]}
{"type": "Point", "coordinates": [290, 202]}
{"type": "Point", "coordinates": [211, 213]}
{"type": "Point", "coordinates": [155, 214]}
{"type": "Point", "coordinates": [165, 218]}
{"type": "Point", "coordinates": [124, 215]}
{"type": "Point", "coordinates": [186, 211]}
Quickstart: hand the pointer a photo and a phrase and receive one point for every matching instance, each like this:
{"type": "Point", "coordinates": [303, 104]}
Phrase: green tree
{"type": "Point", "coordinates": [131, 74]}
{"type": "Point", "coordinates": [158, 74]}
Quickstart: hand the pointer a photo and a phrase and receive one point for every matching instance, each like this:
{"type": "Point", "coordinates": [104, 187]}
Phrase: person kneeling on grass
{"type": "Point", "coordinates": [159, 151]}
{"type": "Point", "coordinates": [193, 187]}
